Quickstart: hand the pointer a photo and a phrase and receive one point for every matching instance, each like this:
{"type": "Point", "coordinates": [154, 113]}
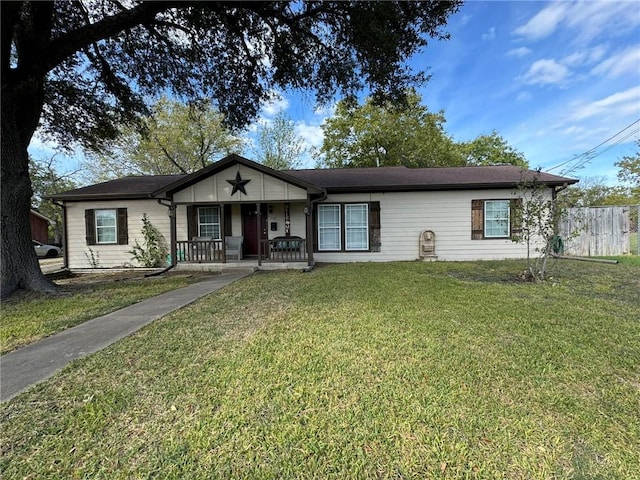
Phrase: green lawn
{"type": "Point", "coordinates": [29, 317]}
{"type": "Point", "coordinates": [404, 370]}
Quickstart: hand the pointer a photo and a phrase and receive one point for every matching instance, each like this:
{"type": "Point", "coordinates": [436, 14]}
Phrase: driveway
{"type": "Point", "coordinates": [50, 265]}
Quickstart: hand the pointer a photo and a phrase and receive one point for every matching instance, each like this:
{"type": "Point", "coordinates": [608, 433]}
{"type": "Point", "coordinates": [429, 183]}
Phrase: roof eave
{"type": "Point", "coordinates": [100, 196]}
{"type": "Point", "coordinates": [438, 187]}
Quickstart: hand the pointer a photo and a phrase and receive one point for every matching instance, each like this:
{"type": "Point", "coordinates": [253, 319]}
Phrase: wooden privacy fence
{"type": "Point", "coordinates": [596, 231]}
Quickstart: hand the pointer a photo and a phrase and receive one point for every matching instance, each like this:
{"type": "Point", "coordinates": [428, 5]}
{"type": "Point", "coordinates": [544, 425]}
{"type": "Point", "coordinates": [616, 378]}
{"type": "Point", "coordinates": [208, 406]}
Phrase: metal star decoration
{"type": "Point", "coordinates": [238, 184]}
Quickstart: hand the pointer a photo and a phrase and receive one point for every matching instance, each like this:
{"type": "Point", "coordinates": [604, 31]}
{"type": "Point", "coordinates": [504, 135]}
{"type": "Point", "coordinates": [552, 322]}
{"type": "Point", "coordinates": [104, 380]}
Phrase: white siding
{"type": "Point", "coordinates": [110, 256]}
{"type": "Point", "coordinates": [260, 188]}
{"type": "Point", "coordinates": [296, 216]}
{"type": "Point", "coordinates": [403, 215]}
{"type": "Point", "coordinates": [297, 219]}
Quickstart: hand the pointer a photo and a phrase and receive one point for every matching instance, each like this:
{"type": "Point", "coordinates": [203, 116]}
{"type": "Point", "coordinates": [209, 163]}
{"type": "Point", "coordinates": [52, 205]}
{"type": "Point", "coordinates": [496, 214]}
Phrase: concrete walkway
{"type": "Point", "coordinates": [34, 363]}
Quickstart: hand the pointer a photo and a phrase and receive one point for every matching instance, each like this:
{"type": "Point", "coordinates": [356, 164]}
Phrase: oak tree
{"type": "Point", "coordinates": [81, 69]}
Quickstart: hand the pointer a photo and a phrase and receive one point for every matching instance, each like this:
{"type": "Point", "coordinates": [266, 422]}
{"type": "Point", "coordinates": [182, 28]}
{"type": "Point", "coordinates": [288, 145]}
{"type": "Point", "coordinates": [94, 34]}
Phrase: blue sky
{"type": "Point", "coordinates": [555, 79]}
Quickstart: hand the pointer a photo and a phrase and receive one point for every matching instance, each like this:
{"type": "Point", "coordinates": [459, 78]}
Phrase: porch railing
{"type": "Point", "coordinates": [281, 249]}
{"type": "Point", "coordinates": [284, 249]}
{"type": "Point", "coordinates": [199, 251]}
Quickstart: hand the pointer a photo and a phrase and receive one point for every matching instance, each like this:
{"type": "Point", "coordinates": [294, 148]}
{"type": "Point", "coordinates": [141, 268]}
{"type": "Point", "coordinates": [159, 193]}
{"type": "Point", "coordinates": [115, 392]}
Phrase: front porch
{"type": "Point", "coordinates": [279, 250]}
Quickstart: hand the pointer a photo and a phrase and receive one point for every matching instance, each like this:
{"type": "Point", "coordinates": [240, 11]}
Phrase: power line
{"type": "Point", "coordinates": [584, 158]}
{"type": "Point", "coordinates": [593, 154]}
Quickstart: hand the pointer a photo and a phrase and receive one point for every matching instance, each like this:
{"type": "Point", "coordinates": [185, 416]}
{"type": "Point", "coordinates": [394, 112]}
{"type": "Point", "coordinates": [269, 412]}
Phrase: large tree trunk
{"type": "Point", "coordinates": [21, 108]}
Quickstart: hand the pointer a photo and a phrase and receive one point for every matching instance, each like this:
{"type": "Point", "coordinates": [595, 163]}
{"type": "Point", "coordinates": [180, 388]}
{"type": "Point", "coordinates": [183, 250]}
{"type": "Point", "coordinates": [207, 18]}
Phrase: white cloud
{"type": "Point", "coordinates": [546, 72]}
{"type": "Point", "coordinates": [587, 19]}
{"type": "Point", "coordinates": [590, 19]}
{"type": "Point", "coordinates": [325, 111]}
{"type": "Point", "coordinates": [544, 23]}
{"type": "Point", "coordinates": [519, 52]}
{"type": "Point", "coordinates": [490, 35]}
{"type": "Point", "coordinates": [524, 97]}
{"type": "Point", "coordinates": [627, 61]}
{"type": "Point", "coordinates": [617, 105]}
{"type": "Point", "coordinates": [312, 135]}
{"type": "Point", "coordinates": [276, 104]}
{"type": "Point", "coordinates": [587, 56]}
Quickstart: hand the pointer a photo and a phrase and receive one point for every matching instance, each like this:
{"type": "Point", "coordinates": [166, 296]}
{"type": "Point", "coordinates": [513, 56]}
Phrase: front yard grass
{"type": "Point", "coordinates": [31, 316]}
{"type": "Point", "coordinates": [403, 370]}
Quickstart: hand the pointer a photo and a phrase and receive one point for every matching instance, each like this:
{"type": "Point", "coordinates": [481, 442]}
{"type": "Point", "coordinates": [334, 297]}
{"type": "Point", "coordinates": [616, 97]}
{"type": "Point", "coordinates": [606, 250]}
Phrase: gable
{"type": "Point", "coordinates": [259, 186]}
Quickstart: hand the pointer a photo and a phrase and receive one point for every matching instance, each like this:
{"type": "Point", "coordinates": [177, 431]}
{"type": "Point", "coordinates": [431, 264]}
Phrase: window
{"type": "Point", "coordinates": [106, 228]}
{"type": "Point", "coordinates": [329, 227]}
{"type": "Point", "coordinates": [356, 227]}
{"type": "Point", "coordinates": [496, 218]}
{"type": "Point", "coordinates": [348, 227]}
{"type": "Point", "coordinates": [209, 222]}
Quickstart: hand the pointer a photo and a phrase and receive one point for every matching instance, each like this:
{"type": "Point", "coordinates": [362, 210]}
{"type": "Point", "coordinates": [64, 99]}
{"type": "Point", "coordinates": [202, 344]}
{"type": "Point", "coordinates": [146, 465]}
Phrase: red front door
{"type": "Point", "coordinates": [250, 227]}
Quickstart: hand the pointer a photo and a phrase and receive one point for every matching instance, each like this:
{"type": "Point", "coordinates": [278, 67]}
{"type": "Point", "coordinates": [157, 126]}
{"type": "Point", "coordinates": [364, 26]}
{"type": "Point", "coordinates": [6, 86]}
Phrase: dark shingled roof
{"type": "Point", "coordinates": [126, 187]}
{"type": "Point", "coordinates": [443, 178]}
{"type": "Point", "coordinates": [388, 179]}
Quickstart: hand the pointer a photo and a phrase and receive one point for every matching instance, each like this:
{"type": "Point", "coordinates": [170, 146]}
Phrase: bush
{"type": "Point", "coordinates": [153, 252]}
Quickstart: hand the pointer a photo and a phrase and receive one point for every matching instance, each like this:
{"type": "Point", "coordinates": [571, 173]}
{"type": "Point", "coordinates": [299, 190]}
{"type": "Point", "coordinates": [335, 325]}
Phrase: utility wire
{"type": "Point", "coordinates": [593, 154]}
{"type": "Point", "coordinates": [584, 158]}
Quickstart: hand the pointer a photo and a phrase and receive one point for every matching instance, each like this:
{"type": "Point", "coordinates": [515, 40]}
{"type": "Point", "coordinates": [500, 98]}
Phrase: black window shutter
{"type": "Point", "coordinates": [90, 226]}
{"type": "Point", "coordinates": [227, 220]}
{"type": "Point", "coordinates": [123, 232]}
{"type": "Point", "coordinates": [192, 224]}
{"type": "Point", "coordinates": [314, 227]}
{"type": "Point", "coordinates": [516, 216]}
{"type": "Point", "coordinates": [374, 227]}
{"type": "Point", "coordinates": [477, 219]}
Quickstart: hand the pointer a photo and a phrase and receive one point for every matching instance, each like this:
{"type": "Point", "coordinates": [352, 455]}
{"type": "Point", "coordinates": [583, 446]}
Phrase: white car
{"type": "Point", "coordinates": [46, 251]}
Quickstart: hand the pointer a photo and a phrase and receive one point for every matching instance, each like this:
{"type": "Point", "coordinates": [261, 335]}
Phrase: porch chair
{"type": "Point", "coordinates": [233, 247]}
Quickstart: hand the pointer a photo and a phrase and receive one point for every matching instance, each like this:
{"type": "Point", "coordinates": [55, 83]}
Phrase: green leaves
{"type": "Point", "coordinates": [153, 251]}
{"type": "Point", "coordinates": [379, 135]}
{"type": "Point", "coordinates": [175, 138]}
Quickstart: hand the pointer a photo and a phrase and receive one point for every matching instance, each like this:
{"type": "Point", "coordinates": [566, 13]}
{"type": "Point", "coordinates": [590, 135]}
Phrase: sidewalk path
{"type": "Point", "coordinates": [34, 363]}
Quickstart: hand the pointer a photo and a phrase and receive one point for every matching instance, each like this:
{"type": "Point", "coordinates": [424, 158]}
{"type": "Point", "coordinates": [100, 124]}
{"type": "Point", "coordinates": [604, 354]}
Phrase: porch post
{"type": "Point", "coordinates": [309, 219]}
{"type": "Point", "coordinates": [259, 231]}
{"type": "Point", "coordinates": [222, 235]}
{"type": "Point", "coordinates": [173, 234]}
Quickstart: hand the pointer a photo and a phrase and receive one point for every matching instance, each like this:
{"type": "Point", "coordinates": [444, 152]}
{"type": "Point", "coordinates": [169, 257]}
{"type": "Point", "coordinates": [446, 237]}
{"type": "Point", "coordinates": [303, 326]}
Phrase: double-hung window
{"type": "Point", "coordinates": [496, 218]}
{"type": "Point", "coordinates": [343, 227]}
{"type": "Point", "coordinates": [356, 226]}
{"type": "Point", "coordinates": [106, 226]}
{"type": "Point", "coordinates": [329, 231]}
{"type": "Point", "coordinates": [209, 222]}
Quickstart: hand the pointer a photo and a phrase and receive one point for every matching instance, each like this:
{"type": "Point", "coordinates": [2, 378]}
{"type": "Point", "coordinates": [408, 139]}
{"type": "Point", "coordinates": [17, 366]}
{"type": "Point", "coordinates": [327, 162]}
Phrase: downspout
{"type": "Point", "coordinates": [310, 206]}
{"type": "Point", "coordinates": [172, 241]}
{"type": "Point", "coordinates": [65, 261]}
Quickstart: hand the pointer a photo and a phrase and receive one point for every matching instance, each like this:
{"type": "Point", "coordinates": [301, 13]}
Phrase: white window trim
{"type": "Point", "coordinates": [508, 219]}
{"type": "Point", "coordinates": [218, 224]}
{"type": "Point", "coordinates": [347, 227]}
{"type": "Point", "coordinates": [339, 227]}
{"type": "Point", "coordinates": [115, 227]}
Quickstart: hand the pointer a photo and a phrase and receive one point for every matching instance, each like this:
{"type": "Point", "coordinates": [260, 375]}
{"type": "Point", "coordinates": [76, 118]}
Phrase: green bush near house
{"type": "Point", "coordinates": [402, 370]}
